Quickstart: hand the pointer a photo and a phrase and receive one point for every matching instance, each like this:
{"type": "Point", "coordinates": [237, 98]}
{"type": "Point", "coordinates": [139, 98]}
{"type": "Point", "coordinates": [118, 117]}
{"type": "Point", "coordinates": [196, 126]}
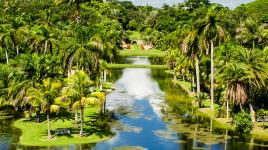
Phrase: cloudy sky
{"type": "Point", "coordinates": [158, 3]}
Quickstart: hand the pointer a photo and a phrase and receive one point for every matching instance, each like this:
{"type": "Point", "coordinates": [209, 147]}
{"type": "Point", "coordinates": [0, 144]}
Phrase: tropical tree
{"type": "Point", "coordinates": [6, 39]}
{"type": "Point", "coordinates": [252, 32]}
{"type": "Point", "coordinates": [44, 96]}
{"type": "Point", "coordinates": [76, 2]}
{"type": "Point", "coordinates": [212, 34]}
{"type": "Point", "coordinates": [80, 84]}
{"type": "Point", "coordinates": [190, 46]}
{"type": "Point", "coordinates": [43, 38]}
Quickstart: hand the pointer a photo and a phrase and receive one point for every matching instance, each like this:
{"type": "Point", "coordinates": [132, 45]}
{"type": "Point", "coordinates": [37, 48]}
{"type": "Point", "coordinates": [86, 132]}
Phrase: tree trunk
{"type": "Point", "coordinates": [82, 121]}
{"type": "Point", "coordinates": [76, 118]}
{"type": "Point", "coordinates": [48, 127]}
{"type": "Point", "coordinates": [6, 56]}
{"type": "Point", "coordinates": [37, 116]}
{"type": "Point", "coordinates": [45, 47]}
{"type": "Point", "coordinates": [212, 76]}
{"type": "Point", "coordinates": [101, 76]}
{"type": "Point", "coordinates": [17, 48]}
{"type": "Point", "coordinates": [227, 102]}
{"type": "Point", "coordinates": [192, 86]}
{"type": "Point", "coordinates": [197, 75]}
{"type": "Point", "coordinates": [104, 75]}
{"type": "Point", "coordinates": [241, 107]}
{"type": "Point", "coordinates": [252, 113]}
{"type": "Point", "coordinates": [174, 76]}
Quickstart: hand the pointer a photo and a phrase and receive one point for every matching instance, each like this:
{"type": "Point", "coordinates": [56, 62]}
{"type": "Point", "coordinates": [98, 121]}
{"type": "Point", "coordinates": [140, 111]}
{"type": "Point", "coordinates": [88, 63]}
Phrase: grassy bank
{"type": "Point", "coordinates": [35, 134]}
{"type": "Point", "coordinates": [139, 52]}
{"type": "Point", "coordinates": [136, 66]}
{"type": "Point", "coordinates": [259, 131]}
{"type": "Point", "coordinates": [221, 123]}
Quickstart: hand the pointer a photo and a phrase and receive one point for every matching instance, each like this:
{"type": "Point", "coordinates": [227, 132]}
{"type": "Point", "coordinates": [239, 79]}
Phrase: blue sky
{"type": "Point", "coordinates": [158, 3]}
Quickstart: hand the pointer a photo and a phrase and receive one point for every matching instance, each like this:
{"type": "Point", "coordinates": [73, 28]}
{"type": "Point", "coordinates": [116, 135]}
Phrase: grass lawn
{"type": "Point", "coordinates": [136, 51]}
{"type": "Point", "coordinates": [186, 86]}
{"type": "Point", "coordinates": [35, 134]}
{"type": "Point", "coordinates": [119, 66]}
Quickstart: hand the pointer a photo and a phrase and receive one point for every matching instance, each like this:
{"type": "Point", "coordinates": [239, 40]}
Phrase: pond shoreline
{"type": "Point", "coordinates": [220, 123]}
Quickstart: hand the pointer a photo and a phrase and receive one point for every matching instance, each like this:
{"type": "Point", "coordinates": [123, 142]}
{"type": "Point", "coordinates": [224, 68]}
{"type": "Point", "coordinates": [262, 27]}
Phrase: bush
{"type": "Point", "coordinates": [243, 123]}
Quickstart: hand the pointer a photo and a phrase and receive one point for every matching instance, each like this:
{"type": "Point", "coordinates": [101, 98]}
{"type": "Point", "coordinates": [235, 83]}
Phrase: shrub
{"type": "Point", "coordinates": [243, 122]}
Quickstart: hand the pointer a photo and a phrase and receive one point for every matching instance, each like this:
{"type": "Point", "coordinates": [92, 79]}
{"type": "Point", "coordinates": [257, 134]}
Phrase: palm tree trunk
{"type": "Point", "coordinates": [197, 75]}
{"type": "Point", "coordinates": [104, 75]}
{"type": "Point", "coordinates": [192, 86]}
{"type": "Point", "coordinates": [82, 121]}
{"type": "Point", "coordinates": [45, 47]}
{"type": "Point", "coordinates": [252, 113]}
{"type": "Point", "coordinates": [37, 116]}
{"type": "Point", "coordinates": [17, 48]}
{"type": "Point", "coordinates": [227, 102]}
{"type": "Point", "coordinates": [6, 56]}
{"type": "Point", "coordinates": [212, 75]}
{"type": "Point", "coordinates": [174, 76]}
{"type": "Point", "coordinates": [76, 118]}
{"type": "Point", "coordinates": [48, 127]}
{"type": "Point", "coordinates": [101, 76]}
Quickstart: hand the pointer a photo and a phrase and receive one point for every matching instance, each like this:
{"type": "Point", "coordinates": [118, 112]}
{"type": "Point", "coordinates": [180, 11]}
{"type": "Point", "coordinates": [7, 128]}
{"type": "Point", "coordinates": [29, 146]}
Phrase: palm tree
{"type": "Point", "coordinates": [76, 2]}
{"type": "Point", "coordinates": [233, 76]}
{"type": "Point", "coordinates": [212, 34]}
{"type": "Point", "coordinates": [256, 73]}
{"type": "Point", "coordinates": [251, 31]}
{"type": "Point", "coordinates": [6, 39]}
{"type": "Point", "coordinates": [43, 37]}
{"type": "Point", "coordinates": [44, 95]}
{"type": "Point", "coordinates": [241, 75]}
{"type": "Point", "coordinates": [191, 48]}
{"type": "Point", "coordinates": [80, 84]}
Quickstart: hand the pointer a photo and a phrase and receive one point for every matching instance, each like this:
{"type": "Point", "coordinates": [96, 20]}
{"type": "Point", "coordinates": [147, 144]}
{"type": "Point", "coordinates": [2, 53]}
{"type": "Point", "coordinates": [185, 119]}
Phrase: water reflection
{"type": "Point", "coordinates": [149, 116]}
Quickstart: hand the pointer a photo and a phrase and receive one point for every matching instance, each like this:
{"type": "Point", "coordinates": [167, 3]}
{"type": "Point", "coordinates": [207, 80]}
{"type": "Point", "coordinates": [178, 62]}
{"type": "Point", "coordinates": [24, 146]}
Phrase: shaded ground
{"type": "Point", "coordinates": [35, 134]}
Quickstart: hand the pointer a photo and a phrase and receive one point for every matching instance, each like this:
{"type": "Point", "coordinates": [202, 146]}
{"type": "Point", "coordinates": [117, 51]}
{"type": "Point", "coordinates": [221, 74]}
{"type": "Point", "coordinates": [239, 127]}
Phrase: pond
{"type": "Point", "coordinates": [149, 117]}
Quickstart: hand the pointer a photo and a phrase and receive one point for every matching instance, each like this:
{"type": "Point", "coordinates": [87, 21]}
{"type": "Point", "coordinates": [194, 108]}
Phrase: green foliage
{"type": "Point", "coordinates": [243, 122]}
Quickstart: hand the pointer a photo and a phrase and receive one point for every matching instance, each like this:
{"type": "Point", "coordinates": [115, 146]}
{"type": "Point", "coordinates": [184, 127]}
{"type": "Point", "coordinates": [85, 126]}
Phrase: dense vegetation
{"type": "Point", "coordinates": [43, 42]}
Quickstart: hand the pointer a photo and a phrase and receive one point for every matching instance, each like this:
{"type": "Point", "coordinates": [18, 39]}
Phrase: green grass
{"type": "Point", "coordinates": [186, 86]}
{"type": "Point", "coordinates": [136, 66]}
{"type": "Point", "coordinates": [136, 51]}
{"type": "Point", "coordinates": [134, 35]}
{"type": "Point", "coordinates": [35, 134]}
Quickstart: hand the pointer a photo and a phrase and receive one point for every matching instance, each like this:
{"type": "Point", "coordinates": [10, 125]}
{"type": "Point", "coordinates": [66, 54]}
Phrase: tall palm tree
{"type": "Point", "coordinates": [44, 95]}
{"type": "Point", "coordinates": [6, 39]}
{"type": "Point", "coordinates": [80, 84]}
{"type": "Point", "coordinates": [212, 34]}
{"type": "Point", "coordinates": [190, 46]}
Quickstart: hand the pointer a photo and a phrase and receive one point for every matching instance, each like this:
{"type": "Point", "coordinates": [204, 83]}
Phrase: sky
{"type": "Point", "coordinates": [158, 3]}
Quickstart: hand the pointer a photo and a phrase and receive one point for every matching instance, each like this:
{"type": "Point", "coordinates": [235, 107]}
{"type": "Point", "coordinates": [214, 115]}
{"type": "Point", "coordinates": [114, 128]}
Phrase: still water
{"type": "Point", "coordinates": [148, 116]}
